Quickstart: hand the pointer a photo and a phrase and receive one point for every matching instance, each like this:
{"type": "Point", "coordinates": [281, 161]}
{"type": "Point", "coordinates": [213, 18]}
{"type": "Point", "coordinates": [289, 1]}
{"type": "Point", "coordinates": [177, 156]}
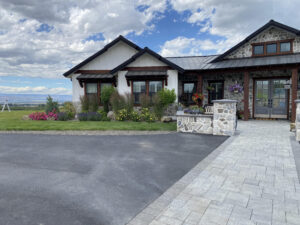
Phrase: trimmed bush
{"type": "Point", "coordinates": [51, 106]}
{"type": "Point", "coordinates": [167, 97]}
{"type": "Point", "coordinates": [122, 115]}
{"type": "Point", "coordinates": [106, 93]}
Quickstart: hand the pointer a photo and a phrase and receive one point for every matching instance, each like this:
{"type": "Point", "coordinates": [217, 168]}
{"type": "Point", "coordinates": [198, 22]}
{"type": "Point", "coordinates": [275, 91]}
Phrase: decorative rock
{"type": "Point", "coordinates": [25, 117]}
{"type": "Point", "coordinates": [111, 115]}
{"type": "Point", "coordinates": [166, 119]}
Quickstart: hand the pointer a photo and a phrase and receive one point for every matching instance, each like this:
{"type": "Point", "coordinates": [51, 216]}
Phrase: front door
{"type": "Point", "coordinates": [271, 99]}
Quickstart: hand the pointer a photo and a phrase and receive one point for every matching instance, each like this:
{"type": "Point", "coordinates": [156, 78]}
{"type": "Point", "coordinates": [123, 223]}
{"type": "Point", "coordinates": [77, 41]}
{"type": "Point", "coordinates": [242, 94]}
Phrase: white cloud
{"type": "Point", "coordinates": [183, 46]}
{"type": "Point", "coordinates": [26, 52]}
{"type": "Point", "coordinates": [35, 90]}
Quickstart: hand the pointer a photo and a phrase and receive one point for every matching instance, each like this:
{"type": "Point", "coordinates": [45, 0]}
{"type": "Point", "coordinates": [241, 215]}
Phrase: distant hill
{"type": "Point", "coordinates": [32, 98]}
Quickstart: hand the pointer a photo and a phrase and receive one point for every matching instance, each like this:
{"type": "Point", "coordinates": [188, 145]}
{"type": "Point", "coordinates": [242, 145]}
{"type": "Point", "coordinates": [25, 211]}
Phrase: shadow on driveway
{"type": "Point", "coordinates": [91, 180]}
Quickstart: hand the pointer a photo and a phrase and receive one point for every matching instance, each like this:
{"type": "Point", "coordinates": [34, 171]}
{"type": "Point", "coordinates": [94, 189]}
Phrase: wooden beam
{"type": "Point", "coordinates": [246, 95]}
{"type": "Point", "coordinates": [199, 84]}
{"type": "Point", "coordinates": [294, 92]}
{"type": "Point", "coordinates": [92, 71]}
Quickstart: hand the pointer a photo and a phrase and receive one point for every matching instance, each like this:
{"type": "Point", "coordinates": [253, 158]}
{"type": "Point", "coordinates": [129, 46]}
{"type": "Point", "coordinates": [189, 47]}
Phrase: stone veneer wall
{"type": "Point", "coordinates": [298, 121]}
{"type": "Point", "coordinates": [271, 34]}
{"type": "Point", "coordinates": [224, 120]}
{"type": "Point", "coordinates": [201, 124]}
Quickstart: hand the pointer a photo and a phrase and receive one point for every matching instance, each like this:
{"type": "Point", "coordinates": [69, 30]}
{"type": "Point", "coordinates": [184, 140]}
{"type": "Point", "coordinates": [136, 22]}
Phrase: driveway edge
{"type": "Point", "coordinates": [150, 212]}
{"type": "Point", "coordinates": [89, 132]}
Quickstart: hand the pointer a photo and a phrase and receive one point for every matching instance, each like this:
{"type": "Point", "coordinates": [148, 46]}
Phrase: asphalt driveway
{"type": "Point", "coordinates": [91, 180]}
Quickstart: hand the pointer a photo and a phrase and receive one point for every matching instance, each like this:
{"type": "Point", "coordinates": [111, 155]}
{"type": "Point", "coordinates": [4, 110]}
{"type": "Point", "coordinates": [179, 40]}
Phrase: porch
{"type": "Point", "coordinates": [266, 92]}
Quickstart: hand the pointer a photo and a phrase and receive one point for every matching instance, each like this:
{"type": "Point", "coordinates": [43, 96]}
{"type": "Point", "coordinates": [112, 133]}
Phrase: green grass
{"type": "Point", "coordinates": [13, 121]}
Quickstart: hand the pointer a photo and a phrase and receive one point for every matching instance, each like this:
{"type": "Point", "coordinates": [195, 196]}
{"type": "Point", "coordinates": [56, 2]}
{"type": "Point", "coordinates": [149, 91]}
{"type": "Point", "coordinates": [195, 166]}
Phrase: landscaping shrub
{"type": "Point", "coordinates": [69, 110]}
{"type": "Point", "coordinates": [129, 102]}
{"type": "Point", "coordinates": [122, 115]}
{"type": "Point", "coordinates": [84, 103]}
{"type": "Point", "coordinates": [106, 93]}
{"type": "Point", "coordinates": [117, 102]}
{"type": "Point", "coordinates": [103, 115]}
{"type": "Point", "coordinates": [93, 103]}
{"type": "Point", "coordinates": [52, 115]}
{"type": "Point", "coordinates": [89, 116]}
{"type": "Point", "coordinates": [158, 107]}
{"type": "Point", "coordinates": [135, 116]}
{"type": "Point", "coordinates": [167, 97]}
{"type": "Point", "coordinates": [147, 116]}
{"type": "Point", "coordinates": [145, 101]}
{"type": "Point", "coordinates": [51, 105]}
{"type": "Point", "coordinates": [63, 116]}
{"type": "Point", "coordinates": [38, 116]}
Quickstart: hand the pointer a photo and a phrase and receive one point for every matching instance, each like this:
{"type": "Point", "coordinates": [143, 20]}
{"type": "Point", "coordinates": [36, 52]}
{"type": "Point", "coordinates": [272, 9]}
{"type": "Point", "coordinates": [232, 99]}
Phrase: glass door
{"type": "Point", "coordinates": [271, 99]}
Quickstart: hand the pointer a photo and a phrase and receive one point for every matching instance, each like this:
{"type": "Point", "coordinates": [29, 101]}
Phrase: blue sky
{"type": "Point", "coordinates": [40, 40]}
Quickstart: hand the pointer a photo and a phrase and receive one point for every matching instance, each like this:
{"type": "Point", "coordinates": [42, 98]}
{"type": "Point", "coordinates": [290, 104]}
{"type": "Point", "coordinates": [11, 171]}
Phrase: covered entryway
{"type": "Point", "coordinates": [271, 98]}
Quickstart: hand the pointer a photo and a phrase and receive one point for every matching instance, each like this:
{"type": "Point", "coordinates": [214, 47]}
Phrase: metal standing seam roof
{"type": "Point", "coordinates": [205, 62]}
{"type": "Point", "coordinates": [95, 76]}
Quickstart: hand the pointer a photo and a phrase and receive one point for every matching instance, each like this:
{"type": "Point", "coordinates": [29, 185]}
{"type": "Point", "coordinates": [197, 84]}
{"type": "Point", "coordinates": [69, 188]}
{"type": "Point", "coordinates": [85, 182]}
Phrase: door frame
{"type": "Point", "coordinates": [271, 78]}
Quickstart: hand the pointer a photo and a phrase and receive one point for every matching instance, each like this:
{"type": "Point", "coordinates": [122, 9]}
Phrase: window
{"type": "Point", "coordinates": [271, 48]}
{"type": "Point", "coordinates": [188, 90]}
{"type": "Point", "coordinates": [285, 46]}
{"type": "Point", "coordinates": [138, 88]}
{"type": "Point", "coordinates": [217, 91]}
{"type": "Point", "coordinates": [154, 86]}
{"type": "Point", "coordinates": [91, 88]}
{"type": "Point", "coordinates": [258, 50]}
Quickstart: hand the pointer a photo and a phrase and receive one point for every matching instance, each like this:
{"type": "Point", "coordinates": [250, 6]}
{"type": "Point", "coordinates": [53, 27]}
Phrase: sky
{"type": "Point", "coordinates": [42, 39]}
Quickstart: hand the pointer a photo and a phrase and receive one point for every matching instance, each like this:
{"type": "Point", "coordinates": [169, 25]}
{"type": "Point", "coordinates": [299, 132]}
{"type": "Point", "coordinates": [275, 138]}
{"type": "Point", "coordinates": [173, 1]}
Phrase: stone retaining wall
{"type": "Point", "coordinates": [298, 120]}
{"type": "Point", "coordinates": [201, 124]}
{"type": "Point", "coordinates": [222, 122]}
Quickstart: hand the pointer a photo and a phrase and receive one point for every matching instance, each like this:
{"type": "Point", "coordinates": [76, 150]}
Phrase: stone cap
{"type": "Point", "coordinates": [225, 101]}
{"type": "Point", "coordinates": [297, 101]}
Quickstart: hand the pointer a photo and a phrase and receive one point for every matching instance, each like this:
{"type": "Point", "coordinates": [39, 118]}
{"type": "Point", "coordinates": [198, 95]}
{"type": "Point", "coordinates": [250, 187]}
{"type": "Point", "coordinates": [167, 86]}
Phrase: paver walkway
{"type": "Point", "coordinates": [252, 181]}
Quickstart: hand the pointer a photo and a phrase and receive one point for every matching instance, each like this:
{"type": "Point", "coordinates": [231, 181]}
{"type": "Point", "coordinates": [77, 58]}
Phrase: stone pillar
{"type": "Point", "coordinates": [297, 122]}
{"type": "Point", "coordinates": [224, 118]}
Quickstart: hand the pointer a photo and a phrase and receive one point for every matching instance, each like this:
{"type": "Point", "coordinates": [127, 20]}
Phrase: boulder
{"type": "Point", "coordinates": [111, 115]}
{"type": "Point", "coordinates": [166, 119]}
{"type": "Point", "coordinates": [26, 117]}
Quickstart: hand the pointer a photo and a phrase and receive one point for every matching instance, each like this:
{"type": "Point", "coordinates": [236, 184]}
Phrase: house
{"type": "Point", "coordinates": [261, 72]}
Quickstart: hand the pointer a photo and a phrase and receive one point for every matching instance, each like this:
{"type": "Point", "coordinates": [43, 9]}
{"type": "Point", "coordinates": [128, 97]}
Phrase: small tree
{"type": "Point", "coordinates": [162, 100]}
{"type": "Point", "coordinates": [51, 106]}
{"type": "Point", "coordinates": [106, 93]}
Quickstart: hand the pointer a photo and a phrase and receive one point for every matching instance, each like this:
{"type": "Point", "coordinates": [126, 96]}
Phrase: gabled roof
{"type": "Point", "coordinates": [104, 49]}
{"type": "Point", "coordinates": [150, 52]}
{"type": "Point", "coordinates": [266, 26]}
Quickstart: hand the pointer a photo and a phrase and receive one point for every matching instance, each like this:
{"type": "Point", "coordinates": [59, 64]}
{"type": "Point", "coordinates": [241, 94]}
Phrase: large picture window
{"type": "Point", "coordinates": [216, 92]}
{"type": "Point", "coordinates": [149, 88]}
{"type": "Point", "coordinates": [138, 88]}
{"type": "Point", "coordinates": [189, 88]}
{"type": "Point", "coordinates": [94, 89]}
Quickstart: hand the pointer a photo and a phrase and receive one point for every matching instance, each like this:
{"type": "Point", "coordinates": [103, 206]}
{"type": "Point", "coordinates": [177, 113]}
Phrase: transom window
{"type": "Point", "coordinates": [272, 48]}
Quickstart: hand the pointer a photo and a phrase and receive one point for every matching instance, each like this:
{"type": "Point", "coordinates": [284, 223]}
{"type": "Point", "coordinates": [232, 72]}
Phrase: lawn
{"type": "Point", "coordinates": [13, 121]}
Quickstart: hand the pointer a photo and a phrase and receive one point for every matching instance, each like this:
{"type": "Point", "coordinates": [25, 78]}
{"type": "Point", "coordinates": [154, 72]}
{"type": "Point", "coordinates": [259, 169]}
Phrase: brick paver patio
{"type": "Point", "coordinates": [250, 179]}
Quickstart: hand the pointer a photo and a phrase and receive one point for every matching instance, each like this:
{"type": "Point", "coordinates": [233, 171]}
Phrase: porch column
{"type": "Point", "coordinates": [199, 83]}
{"type": "Point", "coordinates": [294, 93]}
{"type": "Point", "coordinates": [246, 95]}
